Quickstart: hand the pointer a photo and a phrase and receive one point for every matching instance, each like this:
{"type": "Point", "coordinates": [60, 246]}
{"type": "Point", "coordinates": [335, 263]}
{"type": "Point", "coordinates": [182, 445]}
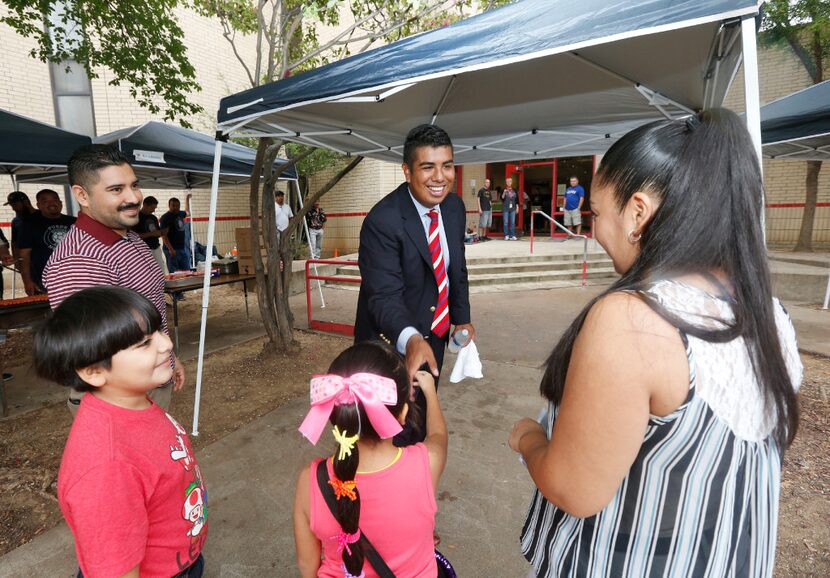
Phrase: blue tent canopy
{"type": "Point", "coordinates": [166, 156]}
{"type": "Point", "coordinates": [797, 126]}
{"type": "Point", "coordinates": [536, 78]}
{"type": "Point", "coordinates": [29, 146]}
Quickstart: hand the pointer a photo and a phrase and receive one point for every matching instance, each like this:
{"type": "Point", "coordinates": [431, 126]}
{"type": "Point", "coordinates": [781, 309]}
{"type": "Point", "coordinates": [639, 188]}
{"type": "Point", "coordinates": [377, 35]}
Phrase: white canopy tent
{"type": "Point", "coordinates": [534, 79]}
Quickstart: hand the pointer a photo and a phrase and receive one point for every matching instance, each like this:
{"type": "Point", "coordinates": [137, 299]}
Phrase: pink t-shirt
{"type": "Point", "coordinates": [397, 512]}
{"type": "Point", "coordinates": [131, 491]}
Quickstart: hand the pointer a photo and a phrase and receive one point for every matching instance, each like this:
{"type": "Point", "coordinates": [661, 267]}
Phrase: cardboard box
{"type": "Point", "coordinates": [243, 240]}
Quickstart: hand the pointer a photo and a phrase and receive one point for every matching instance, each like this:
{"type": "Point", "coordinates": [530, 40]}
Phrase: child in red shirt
{"type": "Point", "coordinates": [129, 486]}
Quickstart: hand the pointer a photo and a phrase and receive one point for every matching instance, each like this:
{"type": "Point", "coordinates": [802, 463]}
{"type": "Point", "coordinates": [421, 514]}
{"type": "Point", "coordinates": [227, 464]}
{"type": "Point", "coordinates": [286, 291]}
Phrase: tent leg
{"type": "Point", "coordinates": [752, 98]}
{"type": "Point", "coordinates": [214, 193]}
{"type": "Point", "coordinates": [308, 236]}
{"type": "Point", "coordinates": [193, 236]}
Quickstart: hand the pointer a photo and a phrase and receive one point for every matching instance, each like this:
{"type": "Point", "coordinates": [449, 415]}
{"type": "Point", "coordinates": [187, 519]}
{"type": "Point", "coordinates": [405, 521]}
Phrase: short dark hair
{"type": "Point", "coordinates": [44, 192]}
{"type": "Point", "coordinates": [279, 194]}
{"type": "Point", "coordinates": [86, 161]}
{"type": "Point", "coordinates": [424, 135]}
{"type": "Point", "coordinates": [88, 328]}
{"type": "Point", "coordinates": [574, 177]}
{"type": "Point", "coordinates": [173, 199]}
{"type": "Point", "coordinates": [151, 200]}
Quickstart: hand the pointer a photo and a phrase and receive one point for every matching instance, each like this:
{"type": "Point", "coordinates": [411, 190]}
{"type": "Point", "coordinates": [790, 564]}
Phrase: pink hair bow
{"type": "Point", "coordinates": [372, 391]}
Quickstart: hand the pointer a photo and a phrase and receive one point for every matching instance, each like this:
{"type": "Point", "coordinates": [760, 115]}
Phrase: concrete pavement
{"type": "Point", "coordinates": [483, 495]}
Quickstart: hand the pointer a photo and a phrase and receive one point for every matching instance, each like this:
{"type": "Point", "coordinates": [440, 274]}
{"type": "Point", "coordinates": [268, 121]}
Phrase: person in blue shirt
{"type": "Point", "coordinates": [574, 197]}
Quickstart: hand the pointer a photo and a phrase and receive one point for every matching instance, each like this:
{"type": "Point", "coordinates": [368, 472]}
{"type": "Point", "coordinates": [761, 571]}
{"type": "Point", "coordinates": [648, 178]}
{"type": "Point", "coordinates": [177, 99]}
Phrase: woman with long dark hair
{"type": "Point", "coordinates": [672, 395]}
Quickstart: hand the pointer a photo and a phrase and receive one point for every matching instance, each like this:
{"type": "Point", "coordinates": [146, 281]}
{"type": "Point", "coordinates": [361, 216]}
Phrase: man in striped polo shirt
{"type": "Point", "coordinates": [100, 248]}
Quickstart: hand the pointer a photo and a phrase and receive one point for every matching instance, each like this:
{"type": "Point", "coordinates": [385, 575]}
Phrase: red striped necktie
{"type": "Point", "coordinates": [441, 320]}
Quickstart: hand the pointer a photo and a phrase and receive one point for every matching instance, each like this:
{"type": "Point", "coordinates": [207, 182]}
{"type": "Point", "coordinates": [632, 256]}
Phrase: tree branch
{"type": "Point", "coordinates": [230, 36]}
{"type": "Point", "coordinates": [310, 200]}
{"type": "Point", "coordinates": [260, 30]}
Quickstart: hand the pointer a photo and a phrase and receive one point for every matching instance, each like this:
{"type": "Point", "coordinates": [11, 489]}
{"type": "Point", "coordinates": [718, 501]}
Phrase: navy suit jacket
{"type": "Point", "coordinates": [398, 286]}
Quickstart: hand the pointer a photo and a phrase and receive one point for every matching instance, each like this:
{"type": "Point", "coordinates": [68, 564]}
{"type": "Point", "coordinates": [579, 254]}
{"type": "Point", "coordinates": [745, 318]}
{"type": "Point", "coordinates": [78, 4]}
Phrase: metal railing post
{"type": "Point", "coordinates": [570, 234]}
{"type": "Point", "coordinates": [585, 262]}
{"type": "Point", "coordinates": [531, 232]}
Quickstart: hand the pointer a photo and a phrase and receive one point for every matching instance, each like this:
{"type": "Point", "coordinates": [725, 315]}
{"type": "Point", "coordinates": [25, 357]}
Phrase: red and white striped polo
{"type": "Point", "coordinates": [91, 254]}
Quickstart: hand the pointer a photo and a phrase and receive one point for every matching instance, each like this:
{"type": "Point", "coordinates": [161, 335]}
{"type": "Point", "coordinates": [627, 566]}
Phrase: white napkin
{"type": "Point", "coordinates": [467, 364]}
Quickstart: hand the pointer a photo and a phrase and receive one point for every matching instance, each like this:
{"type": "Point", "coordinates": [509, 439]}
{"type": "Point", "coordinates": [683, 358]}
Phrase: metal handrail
{"type": "Point", "coordinates": [330, 326]}
{"type": "Point", "coordinates": [570, 234]}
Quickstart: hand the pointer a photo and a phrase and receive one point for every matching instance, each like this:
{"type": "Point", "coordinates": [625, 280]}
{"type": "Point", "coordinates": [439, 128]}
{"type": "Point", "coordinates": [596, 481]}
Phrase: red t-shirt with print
{"type": "Point", "coordinates": [131, 491]}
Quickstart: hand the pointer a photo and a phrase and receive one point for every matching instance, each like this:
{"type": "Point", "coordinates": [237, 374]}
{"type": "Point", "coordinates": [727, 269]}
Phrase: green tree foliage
{"type": "Point", "coordinates": [139, 41]}
{"type": "Point", "coordinates": [804, 27]}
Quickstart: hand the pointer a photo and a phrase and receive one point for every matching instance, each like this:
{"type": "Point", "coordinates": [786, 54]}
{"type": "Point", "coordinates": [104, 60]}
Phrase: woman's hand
{"type": "Point", "coordinates": [522, 428]}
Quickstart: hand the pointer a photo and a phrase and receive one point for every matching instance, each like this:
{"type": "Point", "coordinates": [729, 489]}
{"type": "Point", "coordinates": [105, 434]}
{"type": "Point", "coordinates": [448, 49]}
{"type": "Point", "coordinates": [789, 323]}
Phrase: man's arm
{"type": "Point", "coordinates": [26, 272]}
{"type": "Point", "coordinates": [5, 255]}
{"type": "Point", "coordinates": [380, 265]}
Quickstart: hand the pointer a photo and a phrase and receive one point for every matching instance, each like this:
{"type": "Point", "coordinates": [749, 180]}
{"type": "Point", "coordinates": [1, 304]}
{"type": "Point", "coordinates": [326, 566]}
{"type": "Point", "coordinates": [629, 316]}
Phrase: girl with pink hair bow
{"type": "Point", "coordinates": [381, 498]}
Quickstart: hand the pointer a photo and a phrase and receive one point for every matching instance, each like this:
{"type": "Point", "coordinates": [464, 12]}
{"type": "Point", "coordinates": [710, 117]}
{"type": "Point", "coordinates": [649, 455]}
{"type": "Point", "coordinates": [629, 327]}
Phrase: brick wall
{"type": "Point", "coordinates": [781, 73]}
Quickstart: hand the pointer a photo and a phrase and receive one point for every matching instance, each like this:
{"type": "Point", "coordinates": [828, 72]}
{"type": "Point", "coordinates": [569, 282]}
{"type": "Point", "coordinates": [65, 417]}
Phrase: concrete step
{"type": "Point", "coordinates": [528, 280]}
{"type": "Point", "coordinates": [538, 276]}
{"type": "Point", "coordinates": [821, 260]}
{"type": "Point", "coordinates": [503, 288]}
{"type": "Point", "coordinates": [568, 258]}
{"type": "Point", "coordinates": [476, 268]}
{"type": "Point", "coordinates": [535, 266]}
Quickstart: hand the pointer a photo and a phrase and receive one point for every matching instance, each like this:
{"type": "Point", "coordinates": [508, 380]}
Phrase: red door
{"type": "Point", "coordinates": [515, 172]}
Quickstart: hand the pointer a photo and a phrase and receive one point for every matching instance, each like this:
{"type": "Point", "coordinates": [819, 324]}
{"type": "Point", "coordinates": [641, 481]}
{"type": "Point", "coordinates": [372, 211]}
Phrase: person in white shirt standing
{"type": "Point", "coordinates": [284, 213]}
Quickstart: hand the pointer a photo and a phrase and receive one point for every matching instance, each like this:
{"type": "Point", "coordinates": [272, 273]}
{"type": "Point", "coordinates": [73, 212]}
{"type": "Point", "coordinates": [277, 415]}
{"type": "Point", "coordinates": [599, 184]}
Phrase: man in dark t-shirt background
{"type": "Point", "coordinates": [176, 251]}
{"type": "Point", "coordinates": [23, 209]}
{"type": "Point", "coordinates": [485, 213]}
{"type": "Point", "coordinates": [150, 231]}
{"type": "Point", "coordinates": [39, 236]}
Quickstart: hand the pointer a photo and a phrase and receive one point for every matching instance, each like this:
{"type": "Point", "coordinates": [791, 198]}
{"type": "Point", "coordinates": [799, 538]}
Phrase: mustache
{"type": "Point", "coordinates": [129, 207]}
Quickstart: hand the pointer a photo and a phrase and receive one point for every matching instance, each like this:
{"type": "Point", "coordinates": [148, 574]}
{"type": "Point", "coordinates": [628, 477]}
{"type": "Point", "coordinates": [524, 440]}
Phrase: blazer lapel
{"type": "Point", "coordinates": [412, 224]}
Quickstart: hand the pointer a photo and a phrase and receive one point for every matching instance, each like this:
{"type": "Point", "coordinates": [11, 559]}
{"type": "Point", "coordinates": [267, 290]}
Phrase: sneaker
{"type": "Point", "coordinates": [513, 239]}
{"type": "Point", "coordinates": [7, 376]}
{"type": "Point", "coordinates": [506, 238]}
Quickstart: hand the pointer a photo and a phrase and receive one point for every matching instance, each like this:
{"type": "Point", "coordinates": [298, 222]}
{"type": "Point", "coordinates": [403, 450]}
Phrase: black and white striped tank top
{"type": "Point", "coordinates": [701, 498]}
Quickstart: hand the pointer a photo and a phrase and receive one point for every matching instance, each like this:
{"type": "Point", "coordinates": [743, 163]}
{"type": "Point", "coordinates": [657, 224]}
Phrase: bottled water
{"type": "Point", "coordinates": [458, 340]}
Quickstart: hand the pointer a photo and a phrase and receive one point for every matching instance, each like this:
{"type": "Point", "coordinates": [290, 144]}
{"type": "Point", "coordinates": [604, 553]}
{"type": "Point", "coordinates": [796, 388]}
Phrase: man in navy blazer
{"type": "Point", "coordinates": [399, 292]}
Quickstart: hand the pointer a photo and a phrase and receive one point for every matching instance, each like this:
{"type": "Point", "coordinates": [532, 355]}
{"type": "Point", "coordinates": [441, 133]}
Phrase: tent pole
{"type": "Point", "coordinates": [14, 268]}
{"type": "Point", "coordinates": [752, 99]}
{"type": "Point", "coordinates": [214, 193]}
{"type": "Point", "coordinates": [193, 233]}
{"type": "Point", "coordinates": [308, 237]}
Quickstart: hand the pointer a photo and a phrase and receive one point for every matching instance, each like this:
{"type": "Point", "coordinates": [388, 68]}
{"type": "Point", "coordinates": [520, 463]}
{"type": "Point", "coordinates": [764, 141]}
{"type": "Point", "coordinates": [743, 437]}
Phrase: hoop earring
{"type": "Point", "coordinates": [634, 239]}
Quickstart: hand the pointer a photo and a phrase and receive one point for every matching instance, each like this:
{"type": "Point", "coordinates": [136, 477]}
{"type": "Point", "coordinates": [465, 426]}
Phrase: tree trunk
{"type": "Point", "coordinates": [805, 235]}
{"type": "Point", "coordinates": [264, 296]}
{"type": "Point", "coordinates": [284, 317]}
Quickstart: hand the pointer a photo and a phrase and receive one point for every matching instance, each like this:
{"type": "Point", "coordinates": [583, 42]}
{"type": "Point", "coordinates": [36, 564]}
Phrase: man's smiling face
{"type": "Point", "coordinates": [432, 174]}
